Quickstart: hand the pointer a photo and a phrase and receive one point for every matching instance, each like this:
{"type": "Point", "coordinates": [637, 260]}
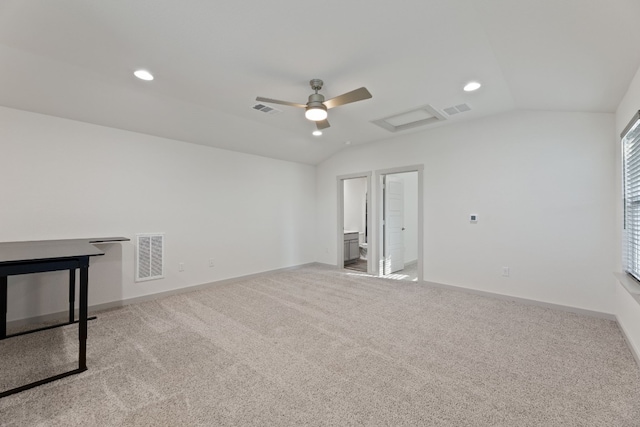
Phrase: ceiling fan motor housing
{"type": "Point", "coordinates": [315, 103]}
{"type": "Point", "coordinates": [316, 100]}
{"type": "Point", "coordinates": [316, 84]}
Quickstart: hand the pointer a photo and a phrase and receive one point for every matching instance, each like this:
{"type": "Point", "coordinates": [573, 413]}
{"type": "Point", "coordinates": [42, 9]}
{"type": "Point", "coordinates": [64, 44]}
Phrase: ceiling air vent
{"type": "Point", "coordinates": [266, 109]}
{"type": "Point", "coordinates": [460, 108]}
{"type": "Point", "coordinates": [149, 256]}
{"type": "Point", "coordinates": [420, 116]}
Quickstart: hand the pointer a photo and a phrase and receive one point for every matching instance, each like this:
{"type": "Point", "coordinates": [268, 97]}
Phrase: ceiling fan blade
{"type": "Point", "coordinates": [349, 97]}
{"type": "Point", "coordinates": [275, 101]}
{"type": "Point", "coordinates": [322, 124]}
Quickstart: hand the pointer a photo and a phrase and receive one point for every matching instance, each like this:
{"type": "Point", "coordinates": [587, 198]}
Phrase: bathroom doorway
{"type": "Point", "coordinates": [354, 222]}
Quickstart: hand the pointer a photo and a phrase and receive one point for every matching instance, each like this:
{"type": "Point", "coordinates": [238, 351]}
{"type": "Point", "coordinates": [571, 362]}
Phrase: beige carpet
{"type": "Point", "coordinates": [409, 272]}
{"type": "Point", "coordinates": [318, 347]}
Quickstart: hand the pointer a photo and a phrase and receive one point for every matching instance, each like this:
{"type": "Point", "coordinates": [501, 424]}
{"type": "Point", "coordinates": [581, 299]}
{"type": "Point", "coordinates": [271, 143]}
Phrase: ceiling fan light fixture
{"type": "Point", "coordinates": [316, 108]}
{"type": "Point", "coordinates": [316, 113]}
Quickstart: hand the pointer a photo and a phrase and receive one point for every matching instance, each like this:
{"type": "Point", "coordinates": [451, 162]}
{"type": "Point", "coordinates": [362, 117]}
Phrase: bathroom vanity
{"type": "Point", "coordinates": [351, 247]}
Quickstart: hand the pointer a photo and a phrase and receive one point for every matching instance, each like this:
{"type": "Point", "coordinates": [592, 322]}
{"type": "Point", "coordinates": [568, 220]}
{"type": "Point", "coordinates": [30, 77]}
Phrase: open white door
{"type": "Point", "coordinates": [393, 224]}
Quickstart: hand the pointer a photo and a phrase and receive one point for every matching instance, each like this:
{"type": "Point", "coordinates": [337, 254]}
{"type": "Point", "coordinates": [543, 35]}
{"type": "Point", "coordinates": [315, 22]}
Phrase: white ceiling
{"type": "Point", "coordinates": [75, 59]}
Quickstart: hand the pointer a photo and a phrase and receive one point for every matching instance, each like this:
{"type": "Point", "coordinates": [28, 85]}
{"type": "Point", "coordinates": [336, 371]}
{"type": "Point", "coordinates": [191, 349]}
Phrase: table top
{"type": "Point", "coordinates": [53, 249]}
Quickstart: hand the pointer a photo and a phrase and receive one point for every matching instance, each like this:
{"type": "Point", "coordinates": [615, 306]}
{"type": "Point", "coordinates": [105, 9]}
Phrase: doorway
{"type": "Point", "coordinates": [400, 224]}
{"type": "Point", "coordinates": [354, 222]}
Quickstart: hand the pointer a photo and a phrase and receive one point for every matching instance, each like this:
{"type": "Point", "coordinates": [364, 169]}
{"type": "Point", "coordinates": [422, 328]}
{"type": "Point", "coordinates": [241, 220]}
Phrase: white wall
{"type": "Point", "coordinates": [355, 200]}
{"type": "Point", "coordinates": [627, 309]}
{"type": "Point", "coordinates": [542, 184]}
{"type": "Point", "coordinates": [66, 179]}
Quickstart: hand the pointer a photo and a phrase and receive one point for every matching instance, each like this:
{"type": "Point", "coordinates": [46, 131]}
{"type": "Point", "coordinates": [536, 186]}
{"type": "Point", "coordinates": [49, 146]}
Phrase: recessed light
{"type": "Point", "coordinates": [143, 75]}
{"type": "Point", "coordinates": [471, 86]}
{"type": "Point", "coordinates": [317, 132]}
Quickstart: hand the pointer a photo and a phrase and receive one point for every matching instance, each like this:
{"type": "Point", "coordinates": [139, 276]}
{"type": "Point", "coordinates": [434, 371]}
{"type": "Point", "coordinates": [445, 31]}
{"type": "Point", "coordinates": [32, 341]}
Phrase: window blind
{"type": "Point", "coordinates": [631, 162]}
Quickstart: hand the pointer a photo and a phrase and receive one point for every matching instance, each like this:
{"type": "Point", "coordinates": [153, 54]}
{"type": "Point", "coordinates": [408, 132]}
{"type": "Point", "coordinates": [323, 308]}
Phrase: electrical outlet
{"type": "Point", "coordinates": [211, 263]}
{"type": "Point", "coordinates": [505, 271]}
{"type": "Point", "coordinates": [181, 266]}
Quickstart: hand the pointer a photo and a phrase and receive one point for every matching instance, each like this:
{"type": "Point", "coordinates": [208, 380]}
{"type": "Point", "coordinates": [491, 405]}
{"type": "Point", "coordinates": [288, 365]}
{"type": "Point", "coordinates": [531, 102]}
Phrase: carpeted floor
{"type": "Point", "coordinates": [318, 347]}
{"type": "Point", "coordinates": [409, 272]}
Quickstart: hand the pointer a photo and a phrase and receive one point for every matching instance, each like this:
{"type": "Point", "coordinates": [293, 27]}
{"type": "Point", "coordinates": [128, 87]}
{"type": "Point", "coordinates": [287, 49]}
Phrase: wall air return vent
{"type": "Point", "coordinates": [149, 256]}
{"type": "Point", "coordinates": [266, 109]}
{"type": "Point", "coordinates": [420, 116]}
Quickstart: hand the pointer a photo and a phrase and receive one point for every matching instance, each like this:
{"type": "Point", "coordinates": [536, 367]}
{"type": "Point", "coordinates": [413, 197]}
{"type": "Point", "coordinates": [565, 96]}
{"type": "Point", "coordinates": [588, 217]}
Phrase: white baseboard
{"type": "Point", "coordinates": [121, 303]}
{"type": "Point", "coordinates": [634, 350]}
{"type": "Point", "coordinates": [567, 308]}
{"type": "Point", "coordinates": [591, 313]}
{"type": "Point", "coordinates": [63, 315]}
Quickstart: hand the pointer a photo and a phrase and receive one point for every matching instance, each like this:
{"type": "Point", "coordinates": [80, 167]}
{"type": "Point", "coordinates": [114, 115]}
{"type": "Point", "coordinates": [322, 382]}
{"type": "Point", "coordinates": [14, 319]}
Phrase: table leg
{"type": "Point", "coordinates": [72, 295]}
{"type": "Point", "coordinates": [84, 303]}
{"type": "Point", "coordinates": [3, 307]}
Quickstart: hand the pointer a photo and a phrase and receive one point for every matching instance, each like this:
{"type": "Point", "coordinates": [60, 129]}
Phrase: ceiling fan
{"type": "Point", "coordinates": [316, 108]}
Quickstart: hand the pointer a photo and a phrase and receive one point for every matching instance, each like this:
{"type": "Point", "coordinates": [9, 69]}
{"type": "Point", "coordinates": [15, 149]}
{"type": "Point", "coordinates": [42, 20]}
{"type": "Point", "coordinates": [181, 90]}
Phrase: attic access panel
{"type": "Point", "coordinates": [421, 116]}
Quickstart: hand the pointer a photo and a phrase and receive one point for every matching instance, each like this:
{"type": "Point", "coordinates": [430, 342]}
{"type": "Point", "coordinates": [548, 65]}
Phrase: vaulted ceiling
{"type": "Point", "coordinates": [75, 59]}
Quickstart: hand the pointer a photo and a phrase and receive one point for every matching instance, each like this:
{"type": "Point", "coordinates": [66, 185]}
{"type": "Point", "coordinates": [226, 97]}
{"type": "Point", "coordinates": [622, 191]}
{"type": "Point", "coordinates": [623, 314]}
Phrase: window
{"type": "Point", "coordinates": [631, 164]}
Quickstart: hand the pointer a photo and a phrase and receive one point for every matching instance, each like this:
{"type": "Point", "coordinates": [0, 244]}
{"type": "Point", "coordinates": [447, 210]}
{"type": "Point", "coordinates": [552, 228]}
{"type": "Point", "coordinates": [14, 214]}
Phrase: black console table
{"type": "Point", "coordinates": [51, 255]}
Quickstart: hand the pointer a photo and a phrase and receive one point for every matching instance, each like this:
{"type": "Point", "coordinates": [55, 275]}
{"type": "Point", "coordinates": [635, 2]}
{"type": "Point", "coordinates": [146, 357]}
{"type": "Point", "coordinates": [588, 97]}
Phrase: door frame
{"type": "Point", "coordinates": [340, 220]}
{"type": "Point", "coordinates": [376, 248]}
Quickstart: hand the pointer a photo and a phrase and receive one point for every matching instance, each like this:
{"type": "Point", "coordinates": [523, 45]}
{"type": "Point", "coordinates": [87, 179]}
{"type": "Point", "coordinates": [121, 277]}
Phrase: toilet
{"type": "Point", "coordinates": [363, 251]}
